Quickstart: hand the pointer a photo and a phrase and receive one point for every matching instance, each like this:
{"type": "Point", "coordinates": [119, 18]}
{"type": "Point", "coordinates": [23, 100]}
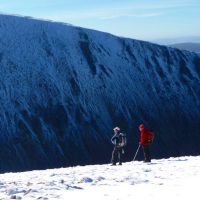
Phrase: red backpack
{"type": "Point", "coordinates": [150, 136]}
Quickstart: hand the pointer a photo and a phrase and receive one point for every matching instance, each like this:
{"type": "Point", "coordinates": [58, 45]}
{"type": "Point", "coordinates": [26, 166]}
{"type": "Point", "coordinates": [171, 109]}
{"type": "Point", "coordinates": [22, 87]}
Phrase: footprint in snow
{"type": "Point", "coordinates": [14, 191]}
{"type": "Point", "coordinates": [147, 170]}
{"type": "Point", "coordinates": [100, 178]}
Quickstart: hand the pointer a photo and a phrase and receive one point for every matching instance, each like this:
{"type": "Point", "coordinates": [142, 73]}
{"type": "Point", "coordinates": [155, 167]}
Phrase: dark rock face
{"type": "Point", "coordinates": [63, 89]}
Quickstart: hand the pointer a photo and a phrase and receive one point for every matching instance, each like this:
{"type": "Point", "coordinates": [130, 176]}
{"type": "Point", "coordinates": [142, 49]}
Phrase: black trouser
{"type": "Point", "coordinates": [147, 154]}
{"type": "Point", "coordinates": [116, 155]}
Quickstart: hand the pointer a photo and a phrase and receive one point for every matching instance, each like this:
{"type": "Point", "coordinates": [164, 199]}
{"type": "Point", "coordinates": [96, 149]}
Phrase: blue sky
{"type": "Point", "coordinates": [141, 19]}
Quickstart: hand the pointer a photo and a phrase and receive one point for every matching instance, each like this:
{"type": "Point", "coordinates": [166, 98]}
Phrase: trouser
{"type": "Point", "coordinates": [116, 155]}
{"type": "Point", "coordinates": [147, 154]}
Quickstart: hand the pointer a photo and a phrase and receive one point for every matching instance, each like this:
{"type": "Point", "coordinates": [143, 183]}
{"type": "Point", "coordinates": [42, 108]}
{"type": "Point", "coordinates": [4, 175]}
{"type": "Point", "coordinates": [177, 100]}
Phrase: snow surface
{"type": "Point", "coordinates": [173, 178]}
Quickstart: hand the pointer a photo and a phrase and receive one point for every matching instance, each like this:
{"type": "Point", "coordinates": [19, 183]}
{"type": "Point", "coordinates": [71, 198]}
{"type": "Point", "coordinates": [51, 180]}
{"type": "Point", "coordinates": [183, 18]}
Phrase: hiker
{"type": "Point", "coordinates": [119, 141]}
{"type": "Point", "coordinates": [146, 138]}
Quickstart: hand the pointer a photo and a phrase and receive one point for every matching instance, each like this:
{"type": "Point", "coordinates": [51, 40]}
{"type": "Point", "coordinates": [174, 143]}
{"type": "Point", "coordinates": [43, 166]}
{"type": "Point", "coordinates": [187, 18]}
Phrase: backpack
{"type": "Point", "coordinates": [150, 136]}
{"type": "Point", "coordinates": [122, 140]}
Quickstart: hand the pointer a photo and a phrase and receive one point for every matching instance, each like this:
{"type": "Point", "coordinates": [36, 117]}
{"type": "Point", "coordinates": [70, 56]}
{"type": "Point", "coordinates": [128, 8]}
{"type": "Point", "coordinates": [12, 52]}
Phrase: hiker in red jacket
{"type": "Point", "coordinates": [146, 138]}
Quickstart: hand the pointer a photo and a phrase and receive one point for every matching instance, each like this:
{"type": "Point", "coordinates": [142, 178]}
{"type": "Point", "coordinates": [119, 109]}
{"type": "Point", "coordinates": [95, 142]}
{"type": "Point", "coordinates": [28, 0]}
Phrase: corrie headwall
{"type": "Point", "coordinates": [63, 88]}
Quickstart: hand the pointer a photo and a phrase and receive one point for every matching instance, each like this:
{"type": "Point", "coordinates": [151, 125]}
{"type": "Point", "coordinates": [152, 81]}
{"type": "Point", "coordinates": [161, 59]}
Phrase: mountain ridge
{"type": "Point", "coordinates": [64, 88]}
{"type": "Point", "coordinates": [189, 46]}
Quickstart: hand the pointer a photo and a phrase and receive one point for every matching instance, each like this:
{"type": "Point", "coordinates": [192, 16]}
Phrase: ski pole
{"type": "Point", "coordinates": [136, 152]}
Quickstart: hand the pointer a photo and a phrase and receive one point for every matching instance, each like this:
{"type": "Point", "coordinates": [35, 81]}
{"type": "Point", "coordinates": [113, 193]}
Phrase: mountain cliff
{"type": "Point", "coordinates": [63, 89]}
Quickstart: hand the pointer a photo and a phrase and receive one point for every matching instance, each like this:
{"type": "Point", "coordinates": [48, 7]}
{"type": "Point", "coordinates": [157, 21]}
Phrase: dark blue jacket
{"type": "Point", "coordinates": [119, 139]}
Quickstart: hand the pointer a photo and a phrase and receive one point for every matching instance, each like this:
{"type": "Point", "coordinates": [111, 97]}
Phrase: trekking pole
{"type": "Point", "coordinates": [136, 152]}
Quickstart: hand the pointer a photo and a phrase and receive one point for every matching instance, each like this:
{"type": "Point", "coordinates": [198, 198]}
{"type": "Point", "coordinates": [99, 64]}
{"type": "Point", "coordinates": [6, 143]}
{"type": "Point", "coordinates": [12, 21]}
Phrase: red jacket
{"type": "Point", "coordinates": [146, 137]}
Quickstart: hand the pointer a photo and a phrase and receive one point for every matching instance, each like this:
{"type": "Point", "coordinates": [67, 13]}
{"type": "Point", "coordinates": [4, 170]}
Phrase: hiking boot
{"type": "Point", "coordinates": [147, 161]}
{"type": "Point", "coordinates": [120, 163]}
{"type": "Point", "coordinates": [113, 164]}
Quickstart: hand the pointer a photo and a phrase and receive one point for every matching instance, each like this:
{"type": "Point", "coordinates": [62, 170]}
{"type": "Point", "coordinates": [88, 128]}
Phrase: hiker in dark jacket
{"type": "Point", "coordinates": [146, 138]}
{"type": "Point", "coordinates": [119, 141]}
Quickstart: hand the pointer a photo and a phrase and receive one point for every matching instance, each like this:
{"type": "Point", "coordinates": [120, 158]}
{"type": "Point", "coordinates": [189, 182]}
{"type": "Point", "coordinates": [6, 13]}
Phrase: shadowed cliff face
{"type": "Point", "coordinates": [63, 89]}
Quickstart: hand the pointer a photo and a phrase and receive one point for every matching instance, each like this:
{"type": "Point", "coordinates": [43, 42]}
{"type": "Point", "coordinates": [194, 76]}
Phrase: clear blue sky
{"type": "Point", "coordinates": [141, 19]}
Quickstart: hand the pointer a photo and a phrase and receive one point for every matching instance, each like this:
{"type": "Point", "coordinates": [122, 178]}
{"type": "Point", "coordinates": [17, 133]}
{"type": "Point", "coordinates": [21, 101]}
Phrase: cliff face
{"type": "Point", "coordinates": [63, 89]}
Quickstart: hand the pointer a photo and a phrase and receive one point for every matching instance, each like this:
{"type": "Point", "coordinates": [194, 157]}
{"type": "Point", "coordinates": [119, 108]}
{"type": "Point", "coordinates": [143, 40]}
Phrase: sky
{"type": "Point", "coordinates": [138, 19]}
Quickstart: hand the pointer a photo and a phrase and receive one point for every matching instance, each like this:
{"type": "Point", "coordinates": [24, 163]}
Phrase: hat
{"type": "Point", "coordinates": [116, 128]}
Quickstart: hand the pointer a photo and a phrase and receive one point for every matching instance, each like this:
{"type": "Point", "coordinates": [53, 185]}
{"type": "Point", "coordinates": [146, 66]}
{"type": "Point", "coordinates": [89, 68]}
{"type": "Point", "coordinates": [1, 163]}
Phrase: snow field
{"type": "Point", "coordinates": [175, 178]}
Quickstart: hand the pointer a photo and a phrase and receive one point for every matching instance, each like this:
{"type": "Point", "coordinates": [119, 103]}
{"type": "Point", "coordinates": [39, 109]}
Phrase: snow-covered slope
{"type": "Point", "coordinates": [63, 89]}
{"type": "Point", "coordinates": [173, 178]}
